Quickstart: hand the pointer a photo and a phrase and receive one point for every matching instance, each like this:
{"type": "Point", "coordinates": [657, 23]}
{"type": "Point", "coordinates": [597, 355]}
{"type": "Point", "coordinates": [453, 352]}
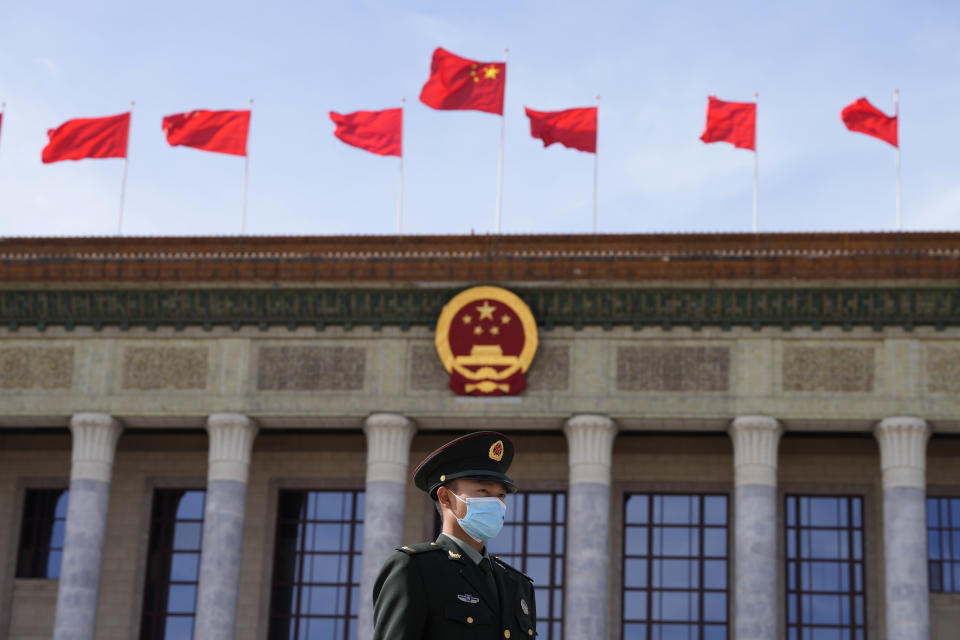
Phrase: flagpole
{"type": "Point", "coordinates": [123, 179]}
{"type": "Point", "coordinates": [756, 172]}
{"type": "Point", "coordinates": [596, 169]}
{"type": "Point", "coordinates": [896, 114]}
{"type": "Point", "coordinates": [246, 175]}
{"type": "Point", "coordinates": [403, 102]}
{"type": "Point", "coordinates": [3, 107]}
{"type": "Point", "coordinates": [503, 127]}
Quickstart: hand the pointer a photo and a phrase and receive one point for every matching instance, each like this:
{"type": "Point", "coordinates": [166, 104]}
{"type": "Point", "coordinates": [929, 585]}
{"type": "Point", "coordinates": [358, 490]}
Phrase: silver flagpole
{"type": "Point", "coordinates": [596, 169]}
{"type": "Point", "coordinates": [123, 180]}
{"type": "Point", "coordinates": [503, 127]}
{"type": "Point", "coordinates": [756, 172]}
{"type": "Point", "coordinates": [403, 102]}
{"type": "Point", "coordinates": [246, 175]}
{"type": "Point", "coordinates": [896, 114]}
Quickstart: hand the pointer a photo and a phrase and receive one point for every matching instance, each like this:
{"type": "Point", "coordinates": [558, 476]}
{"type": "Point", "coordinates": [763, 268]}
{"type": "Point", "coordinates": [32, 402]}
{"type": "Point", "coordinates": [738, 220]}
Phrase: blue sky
{"type": "Point", "coordinates": [653, 64]}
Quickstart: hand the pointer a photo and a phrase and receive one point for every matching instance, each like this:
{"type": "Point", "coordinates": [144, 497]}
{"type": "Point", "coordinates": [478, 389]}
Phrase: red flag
{"type": "Point", "coordinates": [863, 117]}
{"type": "Point", "coordinates": [88, 138]}
{"type": "Point", "coordinates": [574, 128]}
{"type": "Point", "coordinates": [458, 83]}
{"type": "Point", "coordinates": [379, 132]}
{"type": "Point", "coordinates": [218, 131]}
{"type": "Point", "coordinates": [733, 122]}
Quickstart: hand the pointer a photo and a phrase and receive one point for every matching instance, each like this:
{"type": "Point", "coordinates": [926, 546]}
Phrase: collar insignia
{"type": "Point", "coordinates": [453, 556]}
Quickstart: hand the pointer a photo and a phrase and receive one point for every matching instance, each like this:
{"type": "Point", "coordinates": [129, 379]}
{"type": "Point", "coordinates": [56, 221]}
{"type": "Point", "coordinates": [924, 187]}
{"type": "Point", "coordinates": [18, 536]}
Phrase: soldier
{"type": "Point", "coordinates": [452, 588]}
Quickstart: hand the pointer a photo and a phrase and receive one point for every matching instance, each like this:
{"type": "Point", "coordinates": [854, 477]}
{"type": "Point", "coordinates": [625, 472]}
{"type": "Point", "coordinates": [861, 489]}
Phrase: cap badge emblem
{"type": "Point", "coordinates": [469, 599]}
{"type": "Point", "coordinates": [496, 451]}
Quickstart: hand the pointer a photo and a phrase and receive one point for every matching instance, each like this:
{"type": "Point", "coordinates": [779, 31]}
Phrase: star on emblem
{"type": "Point", "coordinates": [495, 331]}
{"type": "Point", "coordinates": [478, 330]}
{"type": "Point", "coordinates": [490, 73]}
{"type": "Point", "coordinates": [486, 310]}
{"type": "Point", "coordinates": [505, 319]}
{"type": "Point", "coordinates": [467, 319]}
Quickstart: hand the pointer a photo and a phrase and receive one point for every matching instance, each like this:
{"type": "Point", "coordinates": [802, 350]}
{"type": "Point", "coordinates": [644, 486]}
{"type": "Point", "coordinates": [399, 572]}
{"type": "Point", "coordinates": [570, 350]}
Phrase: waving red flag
{"type": "Point", "coordinates": [733, 122]}
{"type": "Point", "coordinates": [218, 131]}
{"type": "Point", "coordinates": [458, 83]}
{"type": "Point", "coordinates": [88, 138]}
{"type": "Point", "coordinates": [574, 128]}
{"type": "Point", "coordinates": [863, 117]}
{"type": "Point", "coordinates": [379, 132]}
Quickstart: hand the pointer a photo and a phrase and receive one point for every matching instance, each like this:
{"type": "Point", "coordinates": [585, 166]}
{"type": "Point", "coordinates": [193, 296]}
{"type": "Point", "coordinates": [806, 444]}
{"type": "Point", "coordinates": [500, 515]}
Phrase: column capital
{"type": "Point", "coordinates": [755, 442]}
{"type": "Point", "coordinates": [388, 446]}
{"type": "Point", "coordinates": [903, 451]}
{"type": "Point", "coordinates": [231, 442]}
{"type": "Point", "coordinates": [590, 444]}
{"type": "Point", "coordinates": [94, 444]}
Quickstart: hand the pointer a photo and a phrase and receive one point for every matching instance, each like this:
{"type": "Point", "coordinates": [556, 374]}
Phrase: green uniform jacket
{"type": "Point", "coordinates": [433, 591]}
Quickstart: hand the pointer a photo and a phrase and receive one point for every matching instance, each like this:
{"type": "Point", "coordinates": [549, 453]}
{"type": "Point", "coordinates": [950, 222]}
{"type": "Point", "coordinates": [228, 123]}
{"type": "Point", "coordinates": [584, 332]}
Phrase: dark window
{"type": "Point", "coordinates": [943, 544]}
{"type": "Point", "coordinates": [532, 540]}
{"type": "Point", "coordinates": [173, 564]}
{"type": "Point", "coordinates": [316, 565]}
{"type": "Point", "coordinates": [42, 532]}
{"type": "Point", "coordinates": [675, 567]}
{"type": "Point", "coordinates": [825, 572]}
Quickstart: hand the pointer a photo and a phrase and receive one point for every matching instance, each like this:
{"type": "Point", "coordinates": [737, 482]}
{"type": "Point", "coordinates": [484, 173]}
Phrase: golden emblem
{"type": "Point", "coordinates": [486, 339]}
{"type": "Point", "coordinates": [453, 556]}
{"type": "Point", "coordinates": [496, 451]}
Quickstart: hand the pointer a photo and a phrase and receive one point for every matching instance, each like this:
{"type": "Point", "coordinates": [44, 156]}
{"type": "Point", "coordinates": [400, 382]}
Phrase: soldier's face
{"type": "Point", "coordinates": [470, 488]}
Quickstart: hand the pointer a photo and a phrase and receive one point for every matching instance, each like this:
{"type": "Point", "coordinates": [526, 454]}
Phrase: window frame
{"type": "Point", "coordinates": [618, 525]}
{"type": "Point", "coordinates": [152, 494]}
{"type": "Point", "coordinates": [48, 547]}
{"type": "Point", "coordinates": [276, 487]}
{"type": "Point", "coordinates": [935, 493]}
{"type": "Point", "coordinates": [872, 560]}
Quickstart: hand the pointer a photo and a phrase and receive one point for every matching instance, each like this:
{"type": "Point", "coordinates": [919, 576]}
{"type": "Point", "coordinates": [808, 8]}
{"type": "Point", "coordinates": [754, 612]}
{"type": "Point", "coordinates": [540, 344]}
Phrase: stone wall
{"type": "Point", "coordinates": [645, 379]}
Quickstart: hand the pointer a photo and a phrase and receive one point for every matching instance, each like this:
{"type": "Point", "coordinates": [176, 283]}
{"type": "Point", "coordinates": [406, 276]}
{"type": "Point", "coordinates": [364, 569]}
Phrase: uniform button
{"type": "Point", "coordinates": [529, 632]}
{"type": "Point", "coordinates": [506, 633]}
{"type": "Point", "coordinates": [469, 620]}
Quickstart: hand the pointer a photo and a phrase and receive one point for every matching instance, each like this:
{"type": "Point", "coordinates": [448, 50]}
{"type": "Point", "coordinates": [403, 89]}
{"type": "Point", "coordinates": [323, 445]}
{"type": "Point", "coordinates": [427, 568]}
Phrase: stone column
{"type": "Point", "coordinates": [755, 442]}
{"type": "Point", "coordinates": [94, 443]}
{"type": "Point", "coordinates": [590, 443]}
{"type": "Point", "coordinates": [903, 453]}
{"type": "Point", "coordinates": [388, 461]}
{"type": "Point", "coordinates": [231, 441]}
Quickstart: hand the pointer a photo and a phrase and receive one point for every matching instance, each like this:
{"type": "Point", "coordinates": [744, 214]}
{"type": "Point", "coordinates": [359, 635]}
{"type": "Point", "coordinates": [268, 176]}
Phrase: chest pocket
{"type": "Point", "coordinates": [468, 615]}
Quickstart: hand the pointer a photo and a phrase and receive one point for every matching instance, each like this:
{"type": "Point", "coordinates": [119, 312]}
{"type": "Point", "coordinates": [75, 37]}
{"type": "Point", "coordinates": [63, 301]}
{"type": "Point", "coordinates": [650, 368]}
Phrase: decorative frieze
{"type": "Point", "coordinates": [426, 372]}
{"type": "Point", "coordinates": [943, 370]}
{"type": "Point", "coordinates": [832, 369]}
{"type": "Point", "coordinates": [673, 368]}
{"type": "Point", "coordinates": [40, 368]}
{"type": "Point", "coordinates": [310, 368]}
{"type": "Point", "coordinates": [550, 370]}
{"type": "Point", "coordinates": [164, 368]}
{"type": "Point", "coordinates": [404, 307]}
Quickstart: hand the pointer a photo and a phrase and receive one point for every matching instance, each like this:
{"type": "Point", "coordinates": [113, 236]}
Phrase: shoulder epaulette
{"type": "Point", "coordinates": [503, 564]}
{"type": "Point", "coordinates": [412, 549]}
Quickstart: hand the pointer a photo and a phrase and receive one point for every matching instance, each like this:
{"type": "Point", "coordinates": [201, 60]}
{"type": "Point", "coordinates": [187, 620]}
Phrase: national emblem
{"type": "Point", "coordinates": [486, 338]}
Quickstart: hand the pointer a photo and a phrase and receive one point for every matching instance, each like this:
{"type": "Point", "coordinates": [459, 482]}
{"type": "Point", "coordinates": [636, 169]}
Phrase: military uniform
{"type": "Point", "coordinates": [435, 590]}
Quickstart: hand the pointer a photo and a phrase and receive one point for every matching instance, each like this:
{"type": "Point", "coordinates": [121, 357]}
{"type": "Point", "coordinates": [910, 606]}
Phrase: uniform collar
{"type": "Point", "coordinates": [472, 553]}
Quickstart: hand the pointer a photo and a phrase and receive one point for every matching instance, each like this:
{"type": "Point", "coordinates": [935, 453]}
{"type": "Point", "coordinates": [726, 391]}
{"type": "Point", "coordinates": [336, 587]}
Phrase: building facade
{"type": "Point", "coordinates": [721, 436]}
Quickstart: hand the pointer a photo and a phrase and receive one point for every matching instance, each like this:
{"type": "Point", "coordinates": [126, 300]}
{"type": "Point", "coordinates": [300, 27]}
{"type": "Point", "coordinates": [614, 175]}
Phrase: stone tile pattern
{"type": "Point", "coordinates": [837, 369]}
{"type": "Point", "coordinates": [943, 369]}
{"type": "Point", "coordinates": [311, 368]}
{"type": "Point", "coordinates": [164, 368]}
{"type": "Point", "coordinates": [426, 372]}
{"type": "Point", "coordinates": [25, 368]}
{"type": "Point", "coordinates": [550, 370]}
{"type": "Point", "coordinates": [673, 368]}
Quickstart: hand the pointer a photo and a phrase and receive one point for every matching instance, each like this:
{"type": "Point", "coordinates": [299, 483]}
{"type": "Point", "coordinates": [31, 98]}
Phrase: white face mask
{"type": "Point", "coordinates": [484, 519]}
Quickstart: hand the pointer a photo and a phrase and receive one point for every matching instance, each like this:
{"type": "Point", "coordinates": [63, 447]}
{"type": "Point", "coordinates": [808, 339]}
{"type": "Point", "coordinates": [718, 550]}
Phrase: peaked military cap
{"type": "Point", "coordinates": [483, 454]}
